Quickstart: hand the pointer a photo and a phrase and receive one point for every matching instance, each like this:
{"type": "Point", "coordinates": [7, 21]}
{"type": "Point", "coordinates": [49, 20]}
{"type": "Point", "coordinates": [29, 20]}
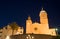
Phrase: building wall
{"type": "Point", "coordinates": [35, 28]}
{"type": "Point", "coordinates": [0, 33]}
{"type": "Point", "coordinates": [29, 25]}
{"type": "Point", "coordinates": [53, 31]}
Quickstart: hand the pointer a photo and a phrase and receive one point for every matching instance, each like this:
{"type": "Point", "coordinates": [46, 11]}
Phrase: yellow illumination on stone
{"type": "Point", "coordinates": [39, 28]}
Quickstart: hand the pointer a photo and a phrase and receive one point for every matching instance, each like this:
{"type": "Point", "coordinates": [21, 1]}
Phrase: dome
{"type": "Point", "coordinates": [42, 12]}
{"type": "Point", "coordinates": [29, 18]}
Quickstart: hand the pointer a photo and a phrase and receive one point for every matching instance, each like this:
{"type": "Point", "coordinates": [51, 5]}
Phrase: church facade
{"type": "Point", "coordinates": [39, 28]}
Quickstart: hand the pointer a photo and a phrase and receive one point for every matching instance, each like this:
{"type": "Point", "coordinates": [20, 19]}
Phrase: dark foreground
{"type": "Point", "coordinates": [32, 36]}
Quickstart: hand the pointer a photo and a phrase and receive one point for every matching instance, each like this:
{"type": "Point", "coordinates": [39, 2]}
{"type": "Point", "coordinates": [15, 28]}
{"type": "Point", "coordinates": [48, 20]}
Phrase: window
{"type": "Point", "coordinates": [35, 29]}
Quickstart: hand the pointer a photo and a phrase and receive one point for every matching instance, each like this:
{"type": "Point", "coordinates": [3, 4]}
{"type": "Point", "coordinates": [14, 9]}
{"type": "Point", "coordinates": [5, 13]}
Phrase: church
{"type": "Point", "coordinates": [36, 29]}
{"type": "Point", "coordinates": [40, 28]}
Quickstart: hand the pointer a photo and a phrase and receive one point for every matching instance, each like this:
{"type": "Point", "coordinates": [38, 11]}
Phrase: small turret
{"type": "Point", "coordinates": [29, 18]}
{"type": "Point", "coordinates": [28, 25]}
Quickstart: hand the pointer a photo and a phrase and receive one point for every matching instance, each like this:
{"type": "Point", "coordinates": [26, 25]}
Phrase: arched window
{"type": "Point", "coordinates": [35, 28]}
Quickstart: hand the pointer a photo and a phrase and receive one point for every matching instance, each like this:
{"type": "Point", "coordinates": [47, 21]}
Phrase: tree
{"type": "Point", "coordinates": [14, 26]}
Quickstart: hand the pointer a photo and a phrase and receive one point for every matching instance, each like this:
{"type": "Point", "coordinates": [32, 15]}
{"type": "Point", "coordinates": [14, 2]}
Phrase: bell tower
{"type": "Point", "coordinates": [28, 25]}
{"type": "Point", "coordinates": [44, 21]}
{"type": "Point", "coordinates": [43, 17]}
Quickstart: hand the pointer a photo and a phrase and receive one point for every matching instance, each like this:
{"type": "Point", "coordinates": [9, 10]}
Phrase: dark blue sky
{"type": "Point", "coordinates": [19, 10]}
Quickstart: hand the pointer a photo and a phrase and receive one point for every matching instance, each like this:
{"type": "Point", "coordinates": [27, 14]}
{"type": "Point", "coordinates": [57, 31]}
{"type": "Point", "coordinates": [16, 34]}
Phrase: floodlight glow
{"type": "Point", "coordinates": [56, 29]}
{"type": "Point", "coordinates": [32, 37]}
{"type": "Point", "coordinates": [7, 37]}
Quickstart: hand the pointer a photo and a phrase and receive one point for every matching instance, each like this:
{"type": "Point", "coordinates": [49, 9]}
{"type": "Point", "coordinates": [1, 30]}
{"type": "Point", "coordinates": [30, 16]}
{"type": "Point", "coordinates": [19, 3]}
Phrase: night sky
{"type": "Point", "coordinates": [19, 10]}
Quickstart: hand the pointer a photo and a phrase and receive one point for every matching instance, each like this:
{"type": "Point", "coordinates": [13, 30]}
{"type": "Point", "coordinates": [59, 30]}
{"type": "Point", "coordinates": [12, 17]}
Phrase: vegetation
{"type": "Point", "coordinates": [14, 26]}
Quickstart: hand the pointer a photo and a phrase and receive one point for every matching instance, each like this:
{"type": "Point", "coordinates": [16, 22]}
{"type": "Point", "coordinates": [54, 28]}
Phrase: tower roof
{"type": "Point", "coordinates": [29, 18]}
{"type": "Point", "coordinates": [42, 11]}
